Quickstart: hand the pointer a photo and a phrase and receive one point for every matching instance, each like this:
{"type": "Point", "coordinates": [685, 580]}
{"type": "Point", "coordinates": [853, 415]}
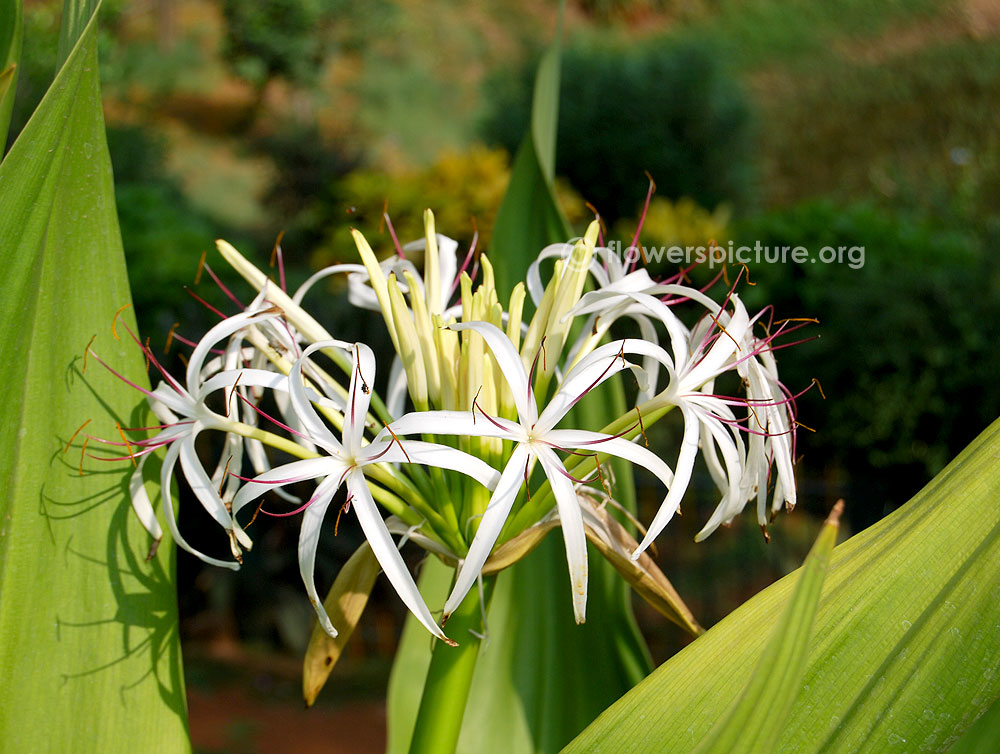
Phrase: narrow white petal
{"type": "Point", "coordinates": [682, 476]}
{"type": "Point", "coordinates": [141, 503]}
{"type": "Point", "coordinates": [455, 423]}
{"type": "Point", "coordinates": [731, 338]}
{"type": "Point", "coordinates": [572, 527]}
{"type": "Point", "coordinates": [430, 454]}
{"type": "Point", "coordinates": [220, 332]}
{"type": "Point", "coordinates": [200, 483]}
{"type": "Point", "coordinates": [296, 471]}
{"type": "Point", "coordinates": [509, 361]}
{"type": "Point", "coordinates": [166, 477]}
{"type": "Point", "coordinates": [311, 422]}
{"type": "Point", "coordinates": [326, 272]}
{"type": "Point", "coordinates": [597, 442]}
{"type": "Point", "coordinates": [312, 524]}
{"type": "Point", "coordinates": [260, 378]}
{"type": "Point", "coordinates": [490, 525]}
{"type": "Point", "coordinates": [386, 553]}
{"type": "Point", "coordinates": [395, 396]}
{"type": "Point", "coordinates": [359, 397]}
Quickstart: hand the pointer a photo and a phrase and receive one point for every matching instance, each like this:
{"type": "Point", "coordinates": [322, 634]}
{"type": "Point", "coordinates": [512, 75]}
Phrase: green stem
{"type": "Point", "coordinates": [449, 678]}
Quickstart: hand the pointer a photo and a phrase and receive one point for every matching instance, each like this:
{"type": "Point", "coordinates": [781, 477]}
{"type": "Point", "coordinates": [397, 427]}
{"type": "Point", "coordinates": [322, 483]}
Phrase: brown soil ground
{"type": "Point", "coordinates": [230, 719]}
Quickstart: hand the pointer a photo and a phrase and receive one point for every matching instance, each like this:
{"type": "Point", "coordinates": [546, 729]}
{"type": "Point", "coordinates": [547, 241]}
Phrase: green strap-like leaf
{"type": "Point", "coordinates": [756, 719]}
{"type": "Point", "coordinates": [529, 217]}
{"type": "Point", "coordinates": [10, 56]}
{"type": "Point", "coordinates": [984, 735]}
{"type": "Point", "coordinates": [89, 653]}
{"type": "Point", "coordinates": [906, 649]}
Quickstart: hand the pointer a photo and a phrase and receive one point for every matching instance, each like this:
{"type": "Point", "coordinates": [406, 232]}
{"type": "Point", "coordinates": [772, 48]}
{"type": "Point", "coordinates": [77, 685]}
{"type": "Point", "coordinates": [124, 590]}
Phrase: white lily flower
{"type": "Point", "coordinates": [344, 464]}
{"type": "Point", "coordinates": [536, 439]}
{"type": "Point", "coordinates": [181, 409]}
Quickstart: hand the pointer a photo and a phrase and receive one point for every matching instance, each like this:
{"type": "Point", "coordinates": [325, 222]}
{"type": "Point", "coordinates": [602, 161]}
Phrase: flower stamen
{"type": "Point", "coordinates": [70, 442]}
{"type": "Point", "coordinates": [87, 350]}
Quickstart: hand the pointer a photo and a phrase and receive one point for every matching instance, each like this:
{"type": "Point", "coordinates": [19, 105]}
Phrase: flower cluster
{"type": "Point", "coordinates": [488, 459]}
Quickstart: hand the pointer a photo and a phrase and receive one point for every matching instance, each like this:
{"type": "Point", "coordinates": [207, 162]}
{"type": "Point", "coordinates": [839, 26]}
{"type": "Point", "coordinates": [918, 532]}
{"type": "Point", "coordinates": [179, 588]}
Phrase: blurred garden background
{"type": "Point", "coordinates": [788, 122]}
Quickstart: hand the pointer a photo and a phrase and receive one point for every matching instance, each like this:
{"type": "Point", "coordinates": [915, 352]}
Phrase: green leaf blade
{"type": "Point", "coordinates": [89, 651]}
{"type": "Point", "coordinates": [906, 651]}
{"type": "Point", "coordinates": [756, 719]}
{"type": "Point", "coordinates": [10, 56]}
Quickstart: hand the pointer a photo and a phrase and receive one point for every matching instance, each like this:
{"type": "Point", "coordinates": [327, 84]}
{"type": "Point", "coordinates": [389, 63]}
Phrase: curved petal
{"type": "Point", "coordinates": [574, 535]}
{"type": "Point", "coordinates": [312, 523]}
{"type": "Point", "coordinates": [141, 503]}
{"type": "Point", "coordinates": [220, 332]}
{"type": "Point", "coordinates": [303, 289]}
{"type": "Point", "coordinates": [311, 422]}
{"type": "Point", "coordinates": [490, 525]}
{"type": "Point", "coordinates": [395, 394]}
{"type": "Point", "coordinates": [388, 556]}
{"type": "Point", "coordinates": [166, 475]}
{"type": "Point", "coordinates": [359, 397]}
{"type": "Point", "coordinates": [260, 378]}
{"type": "Point", "coordinates": [597, 442]}
{"type": "Point", "coordinates": [430, 454]}
{"type": "Point", "coordinates": [463, 423]}
{"type": "Point", "coordinates": [200, 483]}
{"type": "Point", "coordinates": [290, 473]}
{"type": "Point", "coordinates": [509, 361]}
{"type": "Point", "coordinates": [685, 465]}
{"type": "Point", "coordinates": [599, 365]}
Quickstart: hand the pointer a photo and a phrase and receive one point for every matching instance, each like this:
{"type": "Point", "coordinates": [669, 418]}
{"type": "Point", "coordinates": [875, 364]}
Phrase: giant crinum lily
{"type": "Point", "coordinates": [343, 464]}
{"type": "Point", "coordinates": [536, 440]}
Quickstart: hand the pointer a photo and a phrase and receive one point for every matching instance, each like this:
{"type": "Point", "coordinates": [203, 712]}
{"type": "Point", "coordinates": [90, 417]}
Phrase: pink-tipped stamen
{"type": "Point", "coordinates": [271, 418]}
{"type": "Point", "coordinates": [204, 303]}
{"type": "Point", "coordinates": [228, 293]}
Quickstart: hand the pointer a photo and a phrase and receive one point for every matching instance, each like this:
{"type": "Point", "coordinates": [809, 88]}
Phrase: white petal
{"type": "Point", "coordinates": [385, 551]}
{"type": "Point", "coordinates": [430, 454]}
{"type": "Point", "coordinates": [395, 394]}
{"type": "Point", "coordinates": [359, 397]}
{"type": "Point", "coordinates": [166, 477]}
{"type": "Point", "coordinates": [462, 423]}
{"type": "Point", "coordinates": [312, 523]}
{"type": "Point", "coordinates": [509, 361]}
{"type": "Point", "coordinates": [325, 272]}
{"type": "Point", "coordinates": [685, 465]}
{"type": "Point", "coordinates": [490, 525]}
{"type": "Point", "coordinates": [220, 332]}
{"type": "Point", "coordinates": [597, 442]}
{"type": "Point", "coordinates": [141, 503]}
{"type": "Point", "coordinates": [296, 471]}
{"type": "Point", "coordinates": [201, 485]}
{"type": "Point", "coordinates": [534, 279]}
{"type": "Point", "coordinates": [311, 422]}
{"type": "Point", "coordinates": [731, 338]}
{"type": "Point", "coordinates": [572, 527]}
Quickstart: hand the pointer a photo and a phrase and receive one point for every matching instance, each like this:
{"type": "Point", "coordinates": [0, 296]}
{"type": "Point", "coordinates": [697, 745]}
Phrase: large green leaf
{"type": "Point", "coordinates": [10, 56]}
{"type": "Point", "coordinates": [89, 653]}
{"type": "Point", "coordinates": [529, 217]}
{"type": "Point", "coordinates": [906, 653]}
{"type": "Point", "coordinates": [775, 683]}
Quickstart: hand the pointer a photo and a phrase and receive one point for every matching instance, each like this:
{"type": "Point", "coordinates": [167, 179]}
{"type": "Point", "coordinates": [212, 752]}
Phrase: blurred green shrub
{"type": "Point", "coordinates": [907, 343]}
{"type": "Point", "coordinates": [910, 126]}
{"type": "Point", "coordinates": [667, 107]}
{"type": "Point", "coordinates": [463, 188]}
{"type": "Point", "coordinates": [162, 233]}
{"type": "Point", "coordinates": [270, 38]}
